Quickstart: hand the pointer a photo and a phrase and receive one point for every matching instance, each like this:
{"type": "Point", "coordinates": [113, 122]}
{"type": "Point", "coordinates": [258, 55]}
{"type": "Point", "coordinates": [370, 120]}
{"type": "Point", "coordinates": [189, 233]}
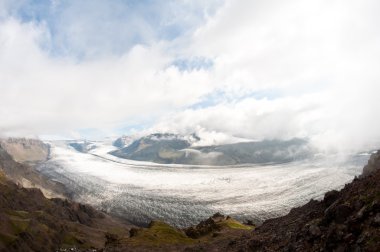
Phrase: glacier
{"type": "Point", "coordinates": [182, 195]}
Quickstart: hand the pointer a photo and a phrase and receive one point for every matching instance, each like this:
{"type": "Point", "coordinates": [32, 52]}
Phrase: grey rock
{"type": "Point", "coordinates": [373, 165]}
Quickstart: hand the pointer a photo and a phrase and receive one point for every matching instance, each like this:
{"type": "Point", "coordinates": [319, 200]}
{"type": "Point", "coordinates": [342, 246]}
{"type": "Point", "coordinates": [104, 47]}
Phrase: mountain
{"type": "Point", "coordinates": [159, 148]}
{"type": "Point", "coordinates": [267, 151]}
{"type": "Point", "coordinates": [81, 146]}
{"type": "Point", "coordinates": [176, 149]}
{"type": "Point", "coordinates": [23, 173]}
{"type": "Point", "coordinates": [123, 141]}
{"type": "Point", "coordinates": [25, 150]}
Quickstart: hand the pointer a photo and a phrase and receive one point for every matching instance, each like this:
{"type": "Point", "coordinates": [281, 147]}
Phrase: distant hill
{"type": "Point", "coordinates": [177, 149]}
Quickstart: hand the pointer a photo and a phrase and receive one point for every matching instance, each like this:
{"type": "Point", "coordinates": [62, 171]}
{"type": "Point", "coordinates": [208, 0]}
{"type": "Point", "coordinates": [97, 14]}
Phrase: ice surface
{"type": "Point", "coordinates": [184, 195]}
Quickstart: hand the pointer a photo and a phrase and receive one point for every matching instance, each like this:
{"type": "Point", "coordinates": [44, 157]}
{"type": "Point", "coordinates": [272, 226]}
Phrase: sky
{"type": "Point", "coordinates": [224, 69]}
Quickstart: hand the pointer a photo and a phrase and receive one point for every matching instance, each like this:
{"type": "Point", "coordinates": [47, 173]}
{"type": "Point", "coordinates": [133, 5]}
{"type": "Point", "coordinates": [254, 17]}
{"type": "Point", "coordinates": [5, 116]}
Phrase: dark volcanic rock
{"type": "Point", "coordinates": [330, 197]}
{"type": "Point", "coordinates": [342, 212]}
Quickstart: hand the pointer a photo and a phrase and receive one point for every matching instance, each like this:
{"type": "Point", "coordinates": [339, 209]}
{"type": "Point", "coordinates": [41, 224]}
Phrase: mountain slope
{"type": "Point", "coordinates": [175, 149]}
{"type": "Point", "coordinates": [123, 141]}
{"type": "Point", "coordinates": [31, 222]}
{"type": "Point", "coordinates": [26, 176]}
{"type": "Point", "coordinates": [25, 150]}
{"type": "Point", "coordinates": [159, 148]}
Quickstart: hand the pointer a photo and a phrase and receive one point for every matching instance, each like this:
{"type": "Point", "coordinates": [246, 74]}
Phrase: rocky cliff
{"type": "Point", "coordinates": [373, 165]}
{"type": "Point", "coordinates": [24, 175]}
{"type": "Point", "coordinates": [25, 150]}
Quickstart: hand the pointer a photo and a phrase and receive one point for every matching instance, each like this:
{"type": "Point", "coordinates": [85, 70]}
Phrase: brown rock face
{"type": "Point", "coordinates": [26, 176]}
{"type": "Point", "coordinates": [24, 150]}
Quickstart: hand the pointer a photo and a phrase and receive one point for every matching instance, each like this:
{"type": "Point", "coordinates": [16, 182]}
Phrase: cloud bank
{"type": "Point", "coordinates": [241, 69]}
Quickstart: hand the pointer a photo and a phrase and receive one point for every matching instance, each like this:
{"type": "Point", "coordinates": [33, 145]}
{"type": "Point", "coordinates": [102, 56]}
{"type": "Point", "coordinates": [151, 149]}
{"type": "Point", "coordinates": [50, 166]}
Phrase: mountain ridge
{"type": "Point", "coordinates": [177, 149]}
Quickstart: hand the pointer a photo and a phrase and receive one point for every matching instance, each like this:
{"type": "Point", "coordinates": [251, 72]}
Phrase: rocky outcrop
{"type": "Point", "coordinates": [25, 150]}
{"type": "Point", "coordinates": [25, 175]}
{"type": "Point", "coordinates": [373, 164]}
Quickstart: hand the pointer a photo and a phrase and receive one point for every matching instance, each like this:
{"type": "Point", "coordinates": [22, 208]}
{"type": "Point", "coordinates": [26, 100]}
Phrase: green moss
{"type": "Point", "coordinates": [160, 233]}
{"type": "Point", "coordinates": [20, 214]}
{"type": "Point", "coordinates": [70, 239]}
{"type": "Point", "coordinates": [19, 225]}
{"type": "Point", "coordinates": [231, 223]}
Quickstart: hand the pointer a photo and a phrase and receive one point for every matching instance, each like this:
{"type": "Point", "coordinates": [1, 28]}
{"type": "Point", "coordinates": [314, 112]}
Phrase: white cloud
{"type": "Point", "coordinates": [319, 58]}
{"type": "Point", "coordinates": [40, 93]}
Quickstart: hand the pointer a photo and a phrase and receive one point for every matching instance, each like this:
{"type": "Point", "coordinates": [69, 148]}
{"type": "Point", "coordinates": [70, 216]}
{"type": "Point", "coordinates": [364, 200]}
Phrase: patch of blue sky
{"type": "Point", "coordinates": [89, 28]}
{"type": "Point", "coordinates": [222, 96]}
{"type": "Point", "coordinates": [33, 10]}
{"type": "Point", "coordinates": [195, 63]}
{"type": "Point", "coordinates": [131, 128]}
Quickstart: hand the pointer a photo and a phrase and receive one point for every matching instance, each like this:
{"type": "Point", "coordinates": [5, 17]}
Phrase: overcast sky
{"type": "Point", "coordinates": [224, 69]}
